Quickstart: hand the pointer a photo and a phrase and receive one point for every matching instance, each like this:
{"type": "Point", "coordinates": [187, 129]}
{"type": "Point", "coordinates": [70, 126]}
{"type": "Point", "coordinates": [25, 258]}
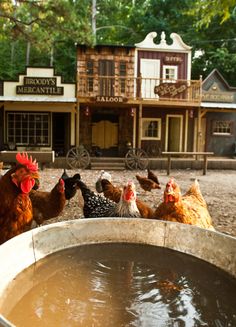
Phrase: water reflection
{"type": "Point", "coordinates": [125, 285]}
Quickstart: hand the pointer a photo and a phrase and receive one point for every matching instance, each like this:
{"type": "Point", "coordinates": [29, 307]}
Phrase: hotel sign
{"type": "Point", "coordinates": [173, 60]}
{"type": "Point", "coordinates": [40, 86]}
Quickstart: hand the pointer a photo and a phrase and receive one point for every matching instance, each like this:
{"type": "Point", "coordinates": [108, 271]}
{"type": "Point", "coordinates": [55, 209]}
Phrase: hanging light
{"type": "Point", "coordinates": [132, 111]}
{"type": "Point", "coordinates": [87, 111]}
{"type": "Point", "coordinates": [190, 113]}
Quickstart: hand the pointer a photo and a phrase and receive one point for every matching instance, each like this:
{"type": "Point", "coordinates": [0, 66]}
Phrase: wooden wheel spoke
{"type": "Point", "coordinates": [78, 158]}
{"type": "Point", "coordinates": [136, 158]}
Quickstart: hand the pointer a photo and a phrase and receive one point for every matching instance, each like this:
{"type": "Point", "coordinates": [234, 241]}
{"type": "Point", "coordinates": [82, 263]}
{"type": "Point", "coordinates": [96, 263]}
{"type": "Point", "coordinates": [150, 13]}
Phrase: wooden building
{"type": "Point", "coordinates": [218, 115]}
{"type": "Point", "coordinates": [139, 95]}
{"type": "Point", "coordinates": [37, 112]}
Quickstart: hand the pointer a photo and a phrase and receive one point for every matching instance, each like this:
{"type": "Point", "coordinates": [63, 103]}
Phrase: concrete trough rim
{"type": "Point", "coordinates": [214, 247]}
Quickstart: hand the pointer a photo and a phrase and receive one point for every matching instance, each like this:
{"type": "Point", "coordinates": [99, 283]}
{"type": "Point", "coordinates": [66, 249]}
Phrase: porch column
{"type": "Point", "coordinates": [72, 124]}
{"type": "Point", "coordinates": [77, 125]}
{"type": "Point", "coordinates": [199, 132]}
{"type": "Point", "coordinates": [134, 128]}
{"type": "Point", "coordinates": [140, 115]}
{"type": "Point", "coordinates": [186, 130]}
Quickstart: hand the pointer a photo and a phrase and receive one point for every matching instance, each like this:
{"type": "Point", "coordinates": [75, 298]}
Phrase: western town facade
{"type": "Point", "coordinates": [139, 96]}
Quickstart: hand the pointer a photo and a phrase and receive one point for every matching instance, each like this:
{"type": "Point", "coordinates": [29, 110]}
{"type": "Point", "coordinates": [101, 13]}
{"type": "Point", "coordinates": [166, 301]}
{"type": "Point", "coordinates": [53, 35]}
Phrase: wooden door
{"type": "Point", "coordinates": [106, 82]}
{"type": "Point", "coordinates": [105, 134]}
{"type": "Point", "coordinates": [174, 132]}
{"type": "Point", "coordinates": [150, 72]}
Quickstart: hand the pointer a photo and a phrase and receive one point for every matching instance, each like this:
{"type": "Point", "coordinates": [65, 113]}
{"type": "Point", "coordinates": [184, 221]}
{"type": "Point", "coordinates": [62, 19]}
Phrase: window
{"type": "Point", "coordinates": [170, 74]}
{"type": "Point", "coordinates": [151, 129]}
{"type": "Point", "coordinates": [89, 70]}
{"type": "Point", "coordinates": [28, 128]}
{"type": "Point", "coordinates": [222, 127]}
{"type": "Point", "coordinates": [122, 74]}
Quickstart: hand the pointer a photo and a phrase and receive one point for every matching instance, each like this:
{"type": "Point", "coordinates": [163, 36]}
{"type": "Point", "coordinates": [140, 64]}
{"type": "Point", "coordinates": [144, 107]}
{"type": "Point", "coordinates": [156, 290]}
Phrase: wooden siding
{"type": "Point", "coordinates": [182, 66]}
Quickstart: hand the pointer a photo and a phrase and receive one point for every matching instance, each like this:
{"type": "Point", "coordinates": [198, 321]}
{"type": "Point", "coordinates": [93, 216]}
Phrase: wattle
{"type": "Point", "coordinates": [26, 185]}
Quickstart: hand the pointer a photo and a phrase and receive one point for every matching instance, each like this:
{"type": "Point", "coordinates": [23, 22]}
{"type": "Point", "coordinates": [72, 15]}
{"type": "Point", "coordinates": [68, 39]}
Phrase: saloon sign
{"type": "Point", "coordinates": [40, 85]}
{"type": "Point", "coordinates": [170, 90]}
{"type": "Point", "coordinates": [115, 99]}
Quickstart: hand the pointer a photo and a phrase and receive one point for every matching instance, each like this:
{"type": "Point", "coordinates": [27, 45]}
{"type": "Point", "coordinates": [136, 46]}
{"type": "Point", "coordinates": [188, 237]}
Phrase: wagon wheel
{"type": "Point", "coordinates": [153, 150]}
{"type": "Point", "coordinates": [78, 157]}
{"type": "Point", "coordinates": [136, 159]}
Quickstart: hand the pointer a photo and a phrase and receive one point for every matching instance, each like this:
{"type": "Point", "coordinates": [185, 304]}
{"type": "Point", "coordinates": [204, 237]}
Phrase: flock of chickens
{"type": "Point", "coordinates": [22, 201]}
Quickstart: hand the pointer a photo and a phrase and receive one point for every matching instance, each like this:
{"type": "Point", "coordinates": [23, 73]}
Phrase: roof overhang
{"type": "Point", "coordinates": [37, 99]}
{"type": "Point", "coordinates": [218, 105]}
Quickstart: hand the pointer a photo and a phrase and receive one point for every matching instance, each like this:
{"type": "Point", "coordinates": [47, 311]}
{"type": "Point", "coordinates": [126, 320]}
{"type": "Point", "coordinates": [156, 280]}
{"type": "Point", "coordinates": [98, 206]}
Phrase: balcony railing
{"type": "Point", "coordinates": [138, 88]}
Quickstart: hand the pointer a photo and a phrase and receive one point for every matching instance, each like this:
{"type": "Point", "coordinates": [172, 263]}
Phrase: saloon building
{"type": "Point", "coordinates": [141, 95]}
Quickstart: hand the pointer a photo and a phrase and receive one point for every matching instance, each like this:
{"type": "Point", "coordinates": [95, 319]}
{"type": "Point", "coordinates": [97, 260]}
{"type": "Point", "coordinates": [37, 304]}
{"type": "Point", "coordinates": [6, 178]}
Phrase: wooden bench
{"type": "Point", "coordinates": [183, 154]}
{"type": "Point", "coordinates": [42, 157]}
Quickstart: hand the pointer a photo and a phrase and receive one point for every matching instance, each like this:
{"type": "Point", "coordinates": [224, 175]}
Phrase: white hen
{"type": "Point", "coordinates": [103, 175]}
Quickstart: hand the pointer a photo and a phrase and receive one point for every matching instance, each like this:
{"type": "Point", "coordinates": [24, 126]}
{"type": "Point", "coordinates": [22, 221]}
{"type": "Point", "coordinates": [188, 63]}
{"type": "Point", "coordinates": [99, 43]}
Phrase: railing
{"type": "Point", "coordinates": [138, 88]}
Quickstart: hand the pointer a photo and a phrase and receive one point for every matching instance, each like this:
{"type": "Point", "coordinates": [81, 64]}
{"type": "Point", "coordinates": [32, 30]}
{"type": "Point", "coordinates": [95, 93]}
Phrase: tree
{"type": "Point", "coordinates": [207, 10]}
{"type": "Point", "coordinates": [44, 25]}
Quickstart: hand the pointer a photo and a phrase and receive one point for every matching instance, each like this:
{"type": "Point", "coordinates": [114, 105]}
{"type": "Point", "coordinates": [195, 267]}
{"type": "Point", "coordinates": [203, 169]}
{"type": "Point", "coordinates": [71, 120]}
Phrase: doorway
{"type": "Point", "coordinates": [150, 72]}
{"type": "Point", "coordinates": [105, 134]}
{"type": "Point", "coordinates": [60, 133]}
{"type": "Point", "coordinates": [174, 131]}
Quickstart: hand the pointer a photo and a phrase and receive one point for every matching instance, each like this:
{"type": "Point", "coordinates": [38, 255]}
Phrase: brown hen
{"type": "Point", "coordinates": [147, 184]}
{"type": "Point", "coordinates": [191, 208]}
{"type": "Point", "coordinates": [47, 205]}
{"type": "Point", "coordinates": [16, 209]}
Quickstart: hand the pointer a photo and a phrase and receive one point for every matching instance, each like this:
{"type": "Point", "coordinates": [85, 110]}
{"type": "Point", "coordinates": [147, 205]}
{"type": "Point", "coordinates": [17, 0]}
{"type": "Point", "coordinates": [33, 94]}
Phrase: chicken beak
{"type": "Point", "coordinates": [35, 175]}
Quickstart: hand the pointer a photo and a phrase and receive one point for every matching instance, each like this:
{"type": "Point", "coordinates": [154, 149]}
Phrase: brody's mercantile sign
{"type": "Point", "coordinates": [40, 85]}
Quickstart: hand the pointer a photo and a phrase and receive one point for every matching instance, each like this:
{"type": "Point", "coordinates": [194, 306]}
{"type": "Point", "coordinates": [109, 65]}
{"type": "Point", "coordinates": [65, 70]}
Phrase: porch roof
{"type": "Point", "coordinates": [218, 105]}
{"type": "Point", "coordinates": [36, 99]}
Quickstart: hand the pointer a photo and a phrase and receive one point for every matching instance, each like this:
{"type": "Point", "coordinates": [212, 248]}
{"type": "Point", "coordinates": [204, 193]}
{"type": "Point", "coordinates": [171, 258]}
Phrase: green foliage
{"type": "Point", "coordinates": [206, 10]}
{"type": "Point", "coordinates": [55, 26]}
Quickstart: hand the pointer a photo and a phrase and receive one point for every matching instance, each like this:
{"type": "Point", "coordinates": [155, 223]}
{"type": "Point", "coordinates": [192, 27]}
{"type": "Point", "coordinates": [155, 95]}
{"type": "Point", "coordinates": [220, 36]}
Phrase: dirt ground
{"type": "Point", "coordinates": [218, 188]}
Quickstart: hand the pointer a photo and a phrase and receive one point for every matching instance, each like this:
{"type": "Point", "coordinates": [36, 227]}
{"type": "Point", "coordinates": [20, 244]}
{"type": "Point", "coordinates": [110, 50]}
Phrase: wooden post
{"type": "Point", "coordinates": [140, 124]}
{"type": "Point", "coordinates": [205, 164]}
{"type": "Point", "coordinates": [168, 164]}
{"type": "Point", "coordinates": [77, 125]}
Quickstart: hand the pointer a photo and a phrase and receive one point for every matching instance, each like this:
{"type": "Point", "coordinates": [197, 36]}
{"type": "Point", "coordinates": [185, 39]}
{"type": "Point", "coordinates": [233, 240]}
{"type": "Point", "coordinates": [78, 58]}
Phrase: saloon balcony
{"type": "Point", "coordinates": [130, 90]}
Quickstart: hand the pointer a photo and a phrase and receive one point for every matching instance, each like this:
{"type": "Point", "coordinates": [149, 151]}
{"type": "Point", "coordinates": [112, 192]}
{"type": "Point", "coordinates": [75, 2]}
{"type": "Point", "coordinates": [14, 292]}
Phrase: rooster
{"type": "Point", "coordinates": [47, 205]}
{"type": "Point", "coordinates": [191, 208]}
{"type": "Point", "coordinates": [114, 193]}
{"type": "Point", "coordinates": [98, 206]}
{"type": "Point", "coordinates": [147, 184]}
{"type": "Point", "coordinates": [16, 212]}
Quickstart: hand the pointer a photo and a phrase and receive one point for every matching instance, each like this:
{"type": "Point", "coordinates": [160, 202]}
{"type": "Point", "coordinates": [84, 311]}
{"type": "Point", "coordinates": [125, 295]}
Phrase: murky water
{"type": "Point", "coordinates": [123, 285]}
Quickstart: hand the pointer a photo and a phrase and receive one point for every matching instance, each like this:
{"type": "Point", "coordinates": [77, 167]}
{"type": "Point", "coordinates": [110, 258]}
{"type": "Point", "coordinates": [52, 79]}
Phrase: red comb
{"type": "Point", "coordinates": [26, 161]}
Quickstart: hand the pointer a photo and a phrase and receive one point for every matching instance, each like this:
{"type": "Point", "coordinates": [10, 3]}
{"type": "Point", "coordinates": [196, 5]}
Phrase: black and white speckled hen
{"type": "Point", "coordinates": [96, 206]}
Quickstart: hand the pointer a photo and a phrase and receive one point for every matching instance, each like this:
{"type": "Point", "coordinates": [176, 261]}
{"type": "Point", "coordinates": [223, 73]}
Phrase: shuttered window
{"type": "Point", "coordinates": [122, 76]}
{"type": "Point", "coordinates": [90, 72]}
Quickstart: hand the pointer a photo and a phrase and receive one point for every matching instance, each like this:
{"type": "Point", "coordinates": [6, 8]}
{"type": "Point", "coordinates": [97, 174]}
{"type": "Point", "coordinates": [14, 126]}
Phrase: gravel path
{"type": "Point", "coordinates": [217, 187]}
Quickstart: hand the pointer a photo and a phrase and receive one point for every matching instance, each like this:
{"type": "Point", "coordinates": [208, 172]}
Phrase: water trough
{"type": "Point", "coordinates": [24, 250]}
